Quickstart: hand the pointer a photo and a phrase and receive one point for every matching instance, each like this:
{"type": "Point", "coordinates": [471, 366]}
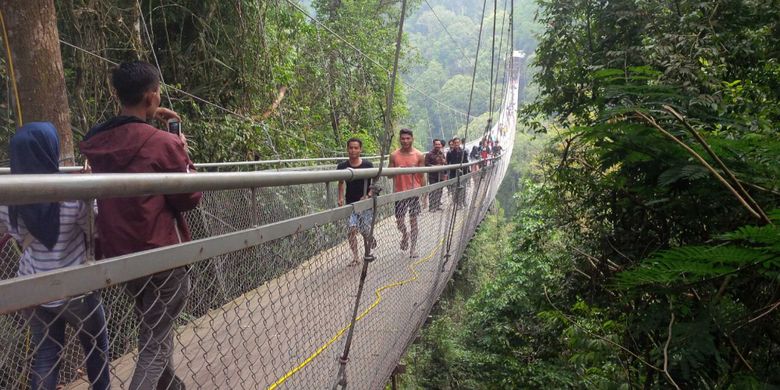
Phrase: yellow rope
{"type": "Point", "coordinates": [11, 72]}
{"type": "Point", "coordinates": [378, 293]}
{"type": "Point", "coordinates": [23, 377]}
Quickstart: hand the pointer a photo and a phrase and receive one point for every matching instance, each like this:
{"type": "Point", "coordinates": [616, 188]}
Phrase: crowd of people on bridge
{"type": "Point", "coordinates": [54, 235]}
{"type": "Point", "coordinates": [407, 156]}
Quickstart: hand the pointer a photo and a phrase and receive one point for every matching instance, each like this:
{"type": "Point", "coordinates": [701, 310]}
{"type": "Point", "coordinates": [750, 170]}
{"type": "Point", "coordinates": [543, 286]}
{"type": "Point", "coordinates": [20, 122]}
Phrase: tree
{"type": "Point", "coordinates": [634, 265]}
{"type": "Point", "coordinates": [33, 40]}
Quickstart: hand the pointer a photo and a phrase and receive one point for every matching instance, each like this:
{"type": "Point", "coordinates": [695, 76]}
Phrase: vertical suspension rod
{"type": "Point", "coordinates": [341, 378]}
{"type": "Point", "coordinates": [459, 171]}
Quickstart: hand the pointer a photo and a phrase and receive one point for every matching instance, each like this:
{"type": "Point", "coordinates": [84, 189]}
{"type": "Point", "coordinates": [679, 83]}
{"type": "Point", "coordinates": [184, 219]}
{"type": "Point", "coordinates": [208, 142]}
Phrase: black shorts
{"type": "Point", "coordinates": [411, 204]}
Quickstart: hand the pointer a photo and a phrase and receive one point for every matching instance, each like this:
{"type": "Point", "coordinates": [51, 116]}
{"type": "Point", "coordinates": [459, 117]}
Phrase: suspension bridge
{"type": "Point", "coordinates": [274, 301]}
{"type": "Point", "coordinates": [272, 291]}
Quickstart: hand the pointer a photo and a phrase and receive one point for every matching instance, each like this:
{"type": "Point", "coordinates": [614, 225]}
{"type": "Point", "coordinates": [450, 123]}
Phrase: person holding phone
{"type": "Point", "coordinates": [127, 144]}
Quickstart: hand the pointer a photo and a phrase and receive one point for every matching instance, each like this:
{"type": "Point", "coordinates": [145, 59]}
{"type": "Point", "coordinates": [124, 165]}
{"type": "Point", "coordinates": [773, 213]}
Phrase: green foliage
{"type": "Point", "coordinates": [657, 234]}
{"type": "Point", "coordinates": [288, 87]}
{"type": "Point", "coordinates": [629, 256]}
{"type": "Point", "coordinates": [749, 247]}
{"type": "Point", "coordinates": [444, 68]}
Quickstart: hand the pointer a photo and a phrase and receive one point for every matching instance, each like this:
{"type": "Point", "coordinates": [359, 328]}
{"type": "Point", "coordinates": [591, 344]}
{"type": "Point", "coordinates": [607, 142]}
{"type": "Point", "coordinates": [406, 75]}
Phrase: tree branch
{"type": "Point", "coordinates": [275, 105]}
{"type": "Point", "coordinates": [666, 349]}
{"type": "Point", "coordinates": [652, 122]}
{"type": "Point", "coordinates": [772, 308]}
{"type": "Point", "coordinates": [602, 338]}
{"type": "Point", "coordinates": [756, 207]}
{"type": "Point", "coordinates": [742, 358]}
{"type": "Point", "coordinates": [758, 187]}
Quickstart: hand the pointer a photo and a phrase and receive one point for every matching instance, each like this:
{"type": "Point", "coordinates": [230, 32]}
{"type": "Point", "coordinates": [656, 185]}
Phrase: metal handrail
{"type": "Point", "coordinates": [79, 168]}
{"type": "Point", "coordinates": [24, 189]}
{"type": "Point", "coordinates": [267, 162]}
{"type": "Point", "coordinates": [29, 290]}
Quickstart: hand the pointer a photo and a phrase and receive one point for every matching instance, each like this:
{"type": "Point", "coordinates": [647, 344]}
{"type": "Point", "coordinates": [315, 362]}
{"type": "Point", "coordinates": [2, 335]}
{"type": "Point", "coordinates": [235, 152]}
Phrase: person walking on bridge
{"type": "Point", "coordinates": [457, 155]}
{"type": "Point", "coordinates": [436, 157]}
{"type": "Point", "coordinates": [497, 149]}
{"type": "Point", "coordinates": [127, 144]}
{"type": "Point", "coordinates": [353, 191]}
{"type": "Point", "coordinates": [484, 152]}
{"type": "Point", "coordinates": [406, 157]}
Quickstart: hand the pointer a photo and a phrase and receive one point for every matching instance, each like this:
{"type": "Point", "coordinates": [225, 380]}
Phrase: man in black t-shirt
{"type": "Point", "coordinates": [356, 190]}
{"type": "Point", "coordinates": [457, 155]}
{"type": "Point", "coordinates": [436, 157]}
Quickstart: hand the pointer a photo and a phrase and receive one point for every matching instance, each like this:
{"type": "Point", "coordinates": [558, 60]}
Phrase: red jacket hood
{"type": "Point", "coordinates": [115, 143]}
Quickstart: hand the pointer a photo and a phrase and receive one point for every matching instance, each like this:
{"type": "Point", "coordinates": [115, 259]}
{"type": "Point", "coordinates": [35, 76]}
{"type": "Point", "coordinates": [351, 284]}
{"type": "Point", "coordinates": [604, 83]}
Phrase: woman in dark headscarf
{"type": "Point", "coordinates": [52, 236]}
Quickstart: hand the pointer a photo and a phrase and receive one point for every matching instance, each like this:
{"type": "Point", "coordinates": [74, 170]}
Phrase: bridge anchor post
{"type": "Point", "coordinates": [399, 369]}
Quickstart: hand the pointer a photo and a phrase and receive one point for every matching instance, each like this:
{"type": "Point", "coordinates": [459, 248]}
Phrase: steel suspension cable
{"type": "Point", "coordinates": [366, 56]}
{"type": "Point", "coordinates": [508, 60]}
{"type": "Point", "coordinates": [162, 78]}
{"type": "Point", "coordinates": [458, 187]}
{"type": "Point", "coordinates": [154, 52]}
{"type": "Point", "coordinates": [341, 378]}
{"type": "Point", "coordinates": [454, 41]}
{"type": "Point", "coordinates": [246, 118]}
{"type": "Point", "coordinates": [492, 62]}
{"type": "Point", "coordinates": [460, 48]}
{"type": "Point", "coordinates": [500, 50]}
{"type": "Point", "coordinates": [512, 32]}
{"type": "Point", "coordinates": [502, 67]}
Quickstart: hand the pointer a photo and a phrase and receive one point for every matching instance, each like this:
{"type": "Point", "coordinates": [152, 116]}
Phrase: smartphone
{"type": "Point", "coordinates": [174, 126]}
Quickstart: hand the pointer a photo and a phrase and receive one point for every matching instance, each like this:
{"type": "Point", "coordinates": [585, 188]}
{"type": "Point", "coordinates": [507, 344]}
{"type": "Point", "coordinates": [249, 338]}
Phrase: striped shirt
{"type": "Point", "coordinates": [69, 250]}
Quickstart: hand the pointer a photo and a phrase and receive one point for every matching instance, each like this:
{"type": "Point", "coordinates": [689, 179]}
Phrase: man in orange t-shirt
{"type": "Point", "coordinates": [405, 157]}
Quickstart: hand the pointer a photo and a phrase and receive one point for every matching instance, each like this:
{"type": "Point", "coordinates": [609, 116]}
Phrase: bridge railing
{"type": "Point", "coordinates": [271, 288]}
{"type": "Point", "coordinates": [271, 283]}
{"type": "Point", "coordinates": [277, 164]}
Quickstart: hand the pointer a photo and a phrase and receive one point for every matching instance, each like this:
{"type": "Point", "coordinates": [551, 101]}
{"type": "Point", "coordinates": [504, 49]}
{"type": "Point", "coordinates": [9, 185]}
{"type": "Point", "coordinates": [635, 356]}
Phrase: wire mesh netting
{"type": "Point", "coordinates": [273, 314]}
{"type": "Point", "coordinates": [270, 315]}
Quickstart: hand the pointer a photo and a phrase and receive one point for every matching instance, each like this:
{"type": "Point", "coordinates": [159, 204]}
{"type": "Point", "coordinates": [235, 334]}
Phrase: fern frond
{"type": "Point", "coordinates": [694, 263]}
{"type": "Point", "coordinates": [768, 235]}
{"type": "Point", "coordinates": [687, 172]}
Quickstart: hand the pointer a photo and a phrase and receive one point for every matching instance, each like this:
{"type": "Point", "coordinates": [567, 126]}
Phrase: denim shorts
{"type": "Point", "coordinates": [361, 221]}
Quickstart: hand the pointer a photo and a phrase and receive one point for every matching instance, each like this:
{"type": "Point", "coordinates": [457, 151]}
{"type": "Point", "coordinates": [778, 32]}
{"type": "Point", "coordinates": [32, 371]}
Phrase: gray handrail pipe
{"type": "Point", "coordinates": [24, 189]}
{"type": "Point", "coordinates": [228, 164]}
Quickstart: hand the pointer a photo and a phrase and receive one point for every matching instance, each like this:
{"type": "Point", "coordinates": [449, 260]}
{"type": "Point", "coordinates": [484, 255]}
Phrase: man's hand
{"type": "Point", "coordinates": [87, 168]}
{"type": "Point", "coordinates": [163, 114]}
{"type": "Point", "coordinates": [183, 140]}
{"type": "Point", "coordinates": [340, 202]}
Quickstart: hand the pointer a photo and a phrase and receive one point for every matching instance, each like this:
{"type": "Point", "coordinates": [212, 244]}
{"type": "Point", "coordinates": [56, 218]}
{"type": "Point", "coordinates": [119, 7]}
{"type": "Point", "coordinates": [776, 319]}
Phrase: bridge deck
{"type": "Point", "coordinates": [292, 329]}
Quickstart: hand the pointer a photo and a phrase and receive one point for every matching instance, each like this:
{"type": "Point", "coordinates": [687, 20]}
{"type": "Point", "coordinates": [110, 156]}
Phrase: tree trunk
{"type": "Point", "coordinates": [136, 39]}
{"type": "Point", "coordinates": [333, 8]}
{"type": "Point", "coordinates": [35, 51]}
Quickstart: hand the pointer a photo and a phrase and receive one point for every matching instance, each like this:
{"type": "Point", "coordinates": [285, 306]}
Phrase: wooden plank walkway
{"type": "Point", "coordinates": [291, 330]}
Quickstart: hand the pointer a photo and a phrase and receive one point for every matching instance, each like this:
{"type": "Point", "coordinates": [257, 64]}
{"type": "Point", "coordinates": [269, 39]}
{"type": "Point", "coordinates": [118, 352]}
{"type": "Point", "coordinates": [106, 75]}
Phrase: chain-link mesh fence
{"type": "Point", "coordinates": [270, 315]}
{"type": "Point", "coordinates": [273, 314]}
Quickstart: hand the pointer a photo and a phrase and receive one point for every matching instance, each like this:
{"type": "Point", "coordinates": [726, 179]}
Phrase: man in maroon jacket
{"type": "Point", "coordinates": [127, 144]}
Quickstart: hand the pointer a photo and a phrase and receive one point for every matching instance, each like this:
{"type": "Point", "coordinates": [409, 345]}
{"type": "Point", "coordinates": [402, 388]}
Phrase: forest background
{"type": "Point", "coordinates": [261, 80]}
{"type": "Point", "coordinates": [641, 249]}
{"type": "Point", "coordinates": [634, 244]}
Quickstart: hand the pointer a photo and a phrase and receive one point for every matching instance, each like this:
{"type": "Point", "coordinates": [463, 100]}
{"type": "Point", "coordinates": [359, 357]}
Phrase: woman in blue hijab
{"type": "Point", "coordinates": [52, 236]}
